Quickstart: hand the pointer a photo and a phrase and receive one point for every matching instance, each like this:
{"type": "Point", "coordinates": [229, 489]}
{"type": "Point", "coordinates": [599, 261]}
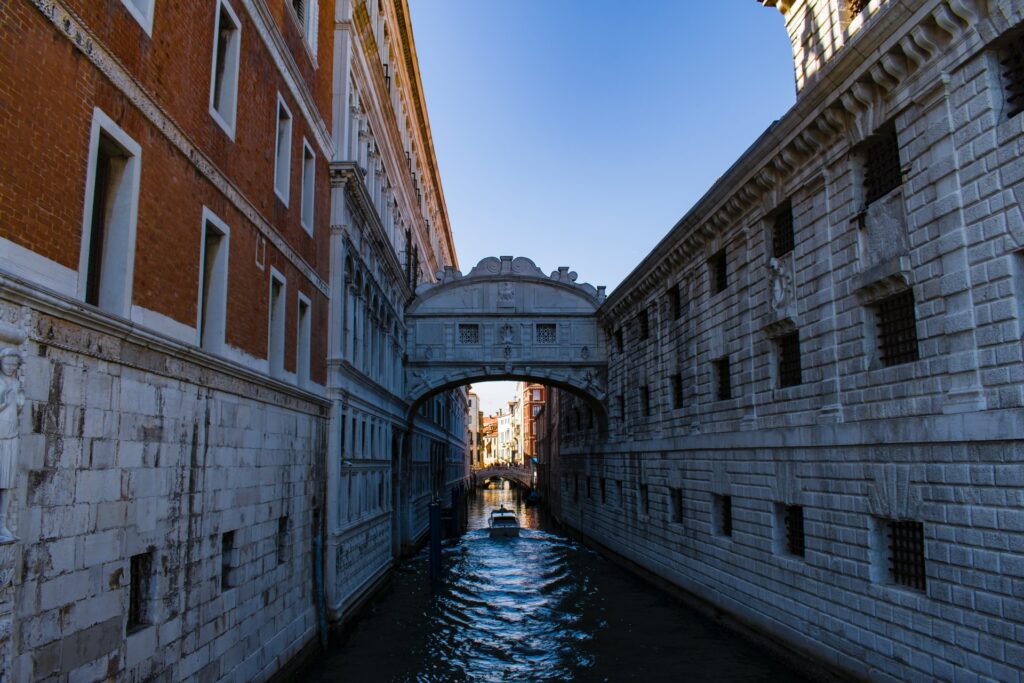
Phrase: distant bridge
{"type": "Point", "coordinates": [521, 475]}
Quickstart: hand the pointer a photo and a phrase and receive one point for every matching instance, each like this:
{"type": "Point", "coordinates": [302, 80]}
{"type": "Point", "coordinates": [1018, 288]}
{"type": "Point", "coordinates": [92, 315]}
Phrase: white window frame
{"type": "Point", "coordinates": [224, 123]}
{"type": "Point", "coordinates": [282, 192]}
{"type": "Point", "coordinates": [276, 366]}
{"type": "Point", "coordinates": [308, 25]}
{"type": "Point", "coordinates": [303, 341]}
{"type": "Point", "coordinates": [307, 218]}
{"type": "Point", "coordinates": [124, 240]}
{"type": "Point", "coordinates": [219, 334]}
{"type": "Point", "coordinates": [143, 16]}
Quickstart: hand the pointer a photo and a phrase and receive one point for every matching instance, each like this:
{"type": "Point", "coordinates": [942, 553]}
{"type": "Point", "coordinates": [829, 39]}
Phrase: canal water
{"type": "Point", "coordinates": [540, 607]}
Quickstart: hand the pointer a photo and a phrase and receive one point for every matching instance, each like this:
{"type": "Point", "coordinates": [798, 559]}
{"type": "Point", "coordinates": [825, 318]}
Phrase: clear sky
{"type": "Point", "coordinates": [577, 132]}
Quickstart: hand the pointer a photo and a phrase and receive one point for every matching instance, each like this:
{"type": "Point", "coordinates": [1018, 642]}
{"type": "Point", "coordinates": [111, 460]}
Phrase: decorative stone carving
{"type": "Point", "coordinates": [781, 275]}
{"type": "Point", "coordinates": [506, 295]}
{"type": "Point", "coordinates": [891, 495]}
{"type": "Point", "coordinates": [12, 399]}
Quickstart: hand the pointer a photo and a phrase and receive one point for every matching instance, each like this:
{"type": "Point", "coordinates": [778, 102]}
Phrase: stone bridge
{"type": "Point", "coordinates": [521, 475]}
{"type": "Point", "coordinates": [507, 320]}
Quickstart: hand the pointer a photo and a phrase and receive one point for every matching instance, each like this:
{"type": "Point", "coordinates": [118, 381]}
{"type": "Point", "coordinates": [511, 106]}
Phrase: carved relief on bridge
{"type": "Point", "coordinates": [506, 318]}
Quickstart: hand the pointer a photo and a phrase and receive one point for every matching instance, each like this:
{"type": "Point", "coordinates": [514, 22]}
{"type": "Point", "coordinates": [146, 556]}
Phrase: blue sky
{"type": "Point", "coordinates": [577, 134]}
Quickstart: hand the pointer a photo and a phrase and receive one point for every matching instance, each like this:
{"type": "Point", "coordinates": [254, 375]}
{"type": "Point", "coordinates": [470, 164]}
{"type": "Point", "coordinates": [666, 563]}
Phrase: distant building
{"type": "Point", "coordinates": [489, 440]}
{"type": "Point", "coordinates": [473, 429]}
{"type": "Point", "coordinates": [532, 397]}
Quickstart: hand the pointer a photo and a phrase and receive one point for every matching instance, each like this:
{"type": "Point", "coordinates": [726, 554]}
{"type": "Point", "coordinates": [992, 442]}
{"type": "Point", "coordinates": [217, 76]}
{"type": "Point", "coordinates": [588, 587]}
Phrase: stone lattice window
{"type": "Point", "coordinates": [882, 171]}
{"type": "Point", "coordinates": [906, 553]}
{"type": "Point", "coordinates": [789, 360]}
{"type": "Point", "coordinates": [1011, 63]}
{"type": "Point", "coordinates": [469, 334]}
{"type": "Point", "coordinates": [897, 329]}
{"type": "Point", "coordinates": [782, 231]}
{"type": "Point", "coordinates": [718, 267]}
{"type": "Point", "coordinates": [723, 380]}
{"type": "Point", "coordinates": [547, 333]}
{"type": "Point", "coordinates": [794, 520]}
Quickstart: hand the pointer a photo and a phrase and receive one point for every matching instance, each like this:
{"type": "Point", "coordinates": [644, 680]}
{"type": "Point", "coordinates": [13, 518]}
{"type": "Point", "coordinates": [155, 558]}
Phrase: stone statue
{"type": "Point", "coordinates": [12, 398]}
{"type": "Point", "coordinates": [506, 295]}
{"type": "Point", "coordinates": [781, 283]}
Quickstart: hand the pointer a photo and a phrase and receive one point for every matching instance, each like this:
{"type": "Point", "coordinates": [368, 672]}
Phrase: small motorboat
{"type": "Point", "coordinates": [503, 523]}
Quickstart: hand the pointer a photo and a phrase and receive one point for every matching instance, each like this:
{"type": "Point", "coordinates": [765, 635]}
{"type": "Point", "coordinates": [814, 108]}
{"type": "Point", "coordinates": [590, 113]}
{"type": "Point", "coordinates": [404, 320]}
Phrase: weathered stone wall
{"type": "Point", "coordinates": [131, 445]}
{"type": "Point", "coordinates": [855, 443]}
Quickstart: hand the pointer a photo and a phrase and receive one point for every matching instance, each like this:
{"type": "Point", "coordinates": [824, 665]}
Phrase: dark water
{"type": "Point", "coordinates": [537, 608]}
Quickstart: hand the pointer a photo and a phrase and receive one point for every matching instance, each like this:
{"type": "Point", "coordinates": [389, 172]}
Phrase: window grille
{"type": "Point", "coordinates": [645, 324]}
{"type": "Point", "coordinates": [897, 329]}
{"type": "Point", "coordinates": [469, 334]}
{"type": "Point", "coordinates": [882, 172]}
{"type": "Point", "coordinates": [1011, 62]}
{"type": "Point", "coordinates": [724, 388]}
{"type": "Point", "coordinates": [782, 231]}
{"type": "Point", "coordinates": [719, 272]}
{"type": "Point", "coordinates": [724, 505]}
{"type": "Point", "coordinates": [794, 518]}
{"type": "Point", "coordinates": [674, 304]}
{"type": "Point", "coordinates": [547, 334]}
{"type": "Point", "coordinates": [906, 553]}
{"type": "Point", "coordinates": [677, 391]}
{"type": "Point", "coordinates": [789, 360]}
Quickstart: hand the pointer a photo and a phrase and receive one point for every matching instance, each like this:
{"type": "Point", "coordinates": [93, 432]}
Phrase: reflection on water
{"type": "Point", "coordinates": [535, 608]}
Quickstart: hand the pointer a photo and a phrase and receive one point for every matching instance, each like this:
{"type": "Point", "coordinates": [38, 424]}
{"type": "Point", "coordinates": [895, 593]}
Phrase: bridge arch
{"type": "Point", "coordinates": [506, 320]}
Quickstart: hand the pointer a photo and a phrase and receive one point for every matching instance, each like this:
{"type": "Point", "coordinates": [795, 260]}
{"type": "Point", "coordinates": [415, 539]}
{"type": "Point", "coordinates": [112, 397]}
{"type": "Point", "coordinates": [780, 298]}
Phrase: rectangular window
{"type": "Point", "coordinates": [589, 487]}
{"type": "Point", "coordinates": [308, 186]}
{"type": "Point", "coordinates": [645, 401]}
{"type": "Point", "coordinates": [140, 591]}
{"type": "Point", "coordinates": [275, 330]}
{"type": "Point", "coordinates": [107, 257]}
{"type": "Point", "coordinates": [283, 151]}
{"type": "Point", "coordinates": [142, 11]}
{"type": "Point", "coordinates": [788, 347]}
{"type": "Point", "coordinates": [213, 284]}
{"type": "Point", "coordinates": [791, 521]}
{"type": "Point", "coordinates": [547, 333]}
{"type": "Point", "coordinates": [718, 272]}
{"type": "Point", "coordinates": [282, 539]}
{"type": "Point", "coordinates": [905, 545]}
{"type": "Point", "coordinates": [575, 487]}
{"type": "Point", "coordinates": [619, 344]}
{"type": "Point", "coordinates": [782, 230]}
{"type": "Point", "coordinates": [228, 560]}
{"type": "Point", "coordinates": [1011, 63]}
{"type": "Point", "coordinates": [722, 512]}
{"type": "Point", "coordinates": [622, 407]}
{"type": "Point", "coordinates": [602, 490]}
{"type": "Point", "coordinates": [644, 325]}
{"type": "Point", "coordinates": [645, 500]}
{"type": "Point", "coordinates": [227, 39]}
{"type": "Point", "coordinates": [469, 334]}
{"type": "Point", "coordinates": [302, 345]}
{"type": "Point", "coordinates": [723, 379]}
{"type": "Point", "coordinates": [306, 12]}
{"type": "Point", "coordinates": [677, 505]}
{"type": "Point", "coordinates": [677, 391]}
{"type": "Point", "coordinates": [882, 172]}
{"type": "Point", "coordinates": [675, 307]}
{"type": "Point", "coordinates": [897, 329]}
{"type": "Point", "coordinates": [537, 394]}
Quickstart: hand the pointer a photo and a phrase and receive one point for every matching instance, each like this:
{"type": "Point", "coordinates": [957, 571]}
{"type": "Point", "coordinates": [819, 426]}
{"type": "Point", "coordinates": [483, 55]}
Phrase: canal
{"type": "Point", "coordinates": [538, 608]}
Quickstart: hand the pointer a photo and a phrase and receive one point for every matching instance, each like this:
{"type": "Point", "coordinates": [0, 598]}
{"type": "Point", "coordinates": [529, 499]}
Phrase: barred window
{"type": "Point", "coordinates": [717, 266]}
{"type": "Point", "coordinates": [906, 553]}
{"type": "Point", "coordinates": [677, 391]}
{"type": "Point", "coordinates": [782, 230]}
{"type": "Point", "coordinates": [794, 520]}
{"type": "Point", "coordinates": [643, 322]}
{"type": "Point", "coordinates": [723, 515]}
{"type": "Point", "coordinates": [547, 333]}
{"type": "Point", "coordinates": [469, 334]}
{"type": "Point", "coordinates": [1011, 63]}
{"type": "Point", "coordinates": [675, 308]}
{"type": "Point", "coordinates": [882, 172]}
{"type": "Point", "coordinates": [789, 360]}
{"type": "Point", "coordinates": [723, 388]}
{"type": "Point", "coordinates": [897, 329]}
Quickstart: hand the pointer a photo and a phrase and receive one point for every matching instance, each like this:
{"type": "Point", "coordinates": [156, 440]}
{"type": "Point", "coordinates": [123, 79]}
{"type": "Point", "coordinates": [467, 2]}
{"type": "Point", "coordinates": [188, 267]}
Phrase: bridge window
{"type": "Point", "coordinates": [789, 359]}
{"type": "Point", "coordinates": [722, 514]}
{"type": "Point", "coordinates": [644, 325]}
{"type": "Point", "coordinates": [882, 172]}
{"type": "Point", "coordinates": [547, 333]}
{"type": "Point", "coordinates": [718, 272]}
{"type": "Point", "coordinates": [469, 334]}
{"type": "Point", "coordinates": [782, 230]}
{"type": "Point", "coordinates": [723, 380]}
{"type": "Point", "coordinates": [897, 329]}
{"type": "Point", "coordinates": [1011, 61]}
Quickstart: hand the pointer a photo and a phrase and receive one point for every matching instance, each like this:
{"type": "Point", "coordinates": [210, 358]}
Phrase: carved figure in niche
{"type": "Point", "coordinates": [507, 334]}
{"type": "Point", "coordinates": [782, 284]}
{"type": "Point", "coordinates": [506, 295]}
{"type": "Point", "coordinates": [12, 398]}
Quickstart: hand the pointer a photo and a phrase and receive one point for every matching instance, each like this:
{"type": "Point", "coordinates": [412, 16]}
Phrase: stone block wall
{"type": "Point", "coordinates": [133, 448]}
